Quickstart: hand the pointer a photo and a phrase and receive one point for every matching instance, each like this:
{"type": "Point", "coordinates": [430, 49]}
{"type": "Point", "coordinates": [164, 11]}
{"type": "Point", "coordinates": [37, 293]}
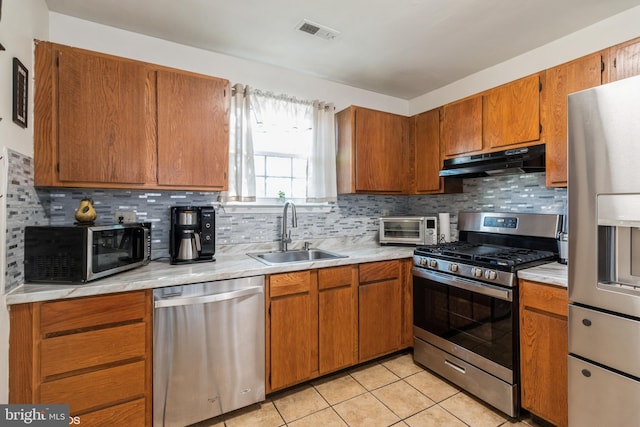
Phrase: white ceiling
{"type": "Point", "coordinates": [401, 48]}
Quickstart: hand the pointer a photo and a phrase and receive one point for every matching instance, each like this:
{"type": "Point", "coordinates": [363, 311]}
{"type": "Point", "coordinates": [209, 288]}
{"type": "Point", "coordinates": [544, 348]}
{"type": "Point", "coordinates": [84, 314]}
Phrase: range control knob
{"type": "Point", "coordinates": [453, 268]}
{"type": "Point", "coordinates": [433, 263]}
{"type": "Point", "coordinates": [490, 275]}
{"type": "Point", "coordinates": [423, 261]}
{"type": "Point", "coordinates": [477, 272]}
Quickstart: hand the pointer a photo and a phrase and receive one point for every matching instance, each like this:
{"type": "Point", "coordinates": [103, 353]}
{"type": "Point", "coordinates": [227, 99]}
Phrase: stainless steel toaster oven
{"type": "Point", "coordinates": [409, 230]}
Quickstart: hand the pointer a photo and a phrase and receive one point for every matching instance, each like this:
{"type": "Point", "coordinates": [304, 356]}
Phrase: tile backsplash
{"type": "Point", "coordinates": [25, 206]}
{"type": "Point", "coordinates": [352, 216]}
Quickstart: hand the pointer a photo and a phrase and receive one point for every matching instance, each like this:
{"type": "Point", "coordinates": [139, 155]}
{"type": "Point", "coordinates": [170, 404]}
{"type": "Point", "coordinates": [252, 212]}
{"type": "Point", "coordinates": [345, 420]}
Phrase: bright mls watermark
{"type": "Point", "coordinates": [13, 415]}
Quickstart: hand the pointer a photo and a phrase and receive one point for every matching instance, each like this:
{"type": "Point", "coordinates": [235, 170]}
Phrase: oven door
{"type": "Point", "coordinates": [471, 320]}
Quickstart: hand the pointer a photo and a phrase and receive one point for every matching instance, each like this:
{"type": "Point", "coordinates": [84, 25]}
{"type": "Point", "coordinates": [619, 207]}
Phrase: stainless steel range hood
{"type": "Point", "coordinates": [517, 160]}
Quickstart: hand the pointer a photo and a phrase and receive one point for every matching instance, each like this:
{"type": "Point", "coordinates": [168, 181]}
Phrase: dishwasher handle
{"type": "Point", "coordinates": [203, 299]}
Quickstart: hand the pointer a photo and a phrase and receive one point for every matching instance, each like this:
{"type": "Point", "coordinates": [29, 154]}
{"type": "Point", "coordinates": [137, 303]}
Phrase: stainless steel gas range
{"type": "Point", "coordinates": [465, 301]}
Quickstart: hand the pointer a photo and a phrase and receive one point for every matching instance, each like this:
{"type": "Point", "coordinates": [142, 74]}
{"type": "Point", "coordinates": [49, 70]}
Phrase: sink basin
{"type": "Point", "coordinates": [288, 257]}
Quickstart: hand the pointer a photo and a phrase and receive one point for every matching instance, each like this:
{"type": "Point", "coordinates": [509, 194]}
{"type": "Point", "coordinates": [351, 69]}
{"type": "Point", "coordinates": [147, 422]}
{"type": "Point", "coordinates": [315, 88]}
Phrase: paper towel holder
{"type": "Point", "coordinates": [444, 225]}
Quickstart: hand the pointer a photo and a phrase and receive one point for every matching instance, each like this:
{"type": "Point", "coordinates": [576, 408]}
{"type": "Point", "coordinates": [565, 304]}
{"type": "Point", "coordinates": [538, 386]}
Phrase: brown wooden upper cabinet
{"type": "Point", "coordinates": [90, 115]}
{"type": "Point", "coordinates": [511, 114]}
{"type": "Point", "coordinates": [373, 151]}
{"type": "Point", "coordinates": [500, 118]}
{"type": "Point", "coordinates": [110, 122]}
{"type": "Point", "coordinates": [427, 159]}
{"type": "Point", "coordinates": [560, 81]}
{"type": "Point", "coordinates": [462, 126]}
{"type": "Point", "coordinates": [193, 130]}
{"type": "Point", "coordinates": [624, 60]}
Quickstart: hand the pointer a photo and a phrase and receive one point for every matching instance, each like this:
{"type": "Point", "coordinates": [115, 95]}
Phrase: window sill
{"type": "Point", "coordinates": [272, 208]}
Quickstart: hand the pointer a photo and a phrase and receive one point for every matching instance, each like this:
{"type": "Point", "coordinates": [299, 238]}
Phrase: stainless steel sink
{"type": "Point", "coordinates": [288, 257]}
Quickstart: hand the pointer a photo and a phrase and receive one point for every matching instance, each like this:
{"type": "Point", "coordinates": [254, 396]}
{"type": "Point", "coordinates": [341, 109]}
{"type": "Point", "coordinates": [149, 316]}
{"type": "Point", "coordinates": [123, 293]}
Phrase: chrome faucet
{"type": "Point", "coordinates": [285, 238]}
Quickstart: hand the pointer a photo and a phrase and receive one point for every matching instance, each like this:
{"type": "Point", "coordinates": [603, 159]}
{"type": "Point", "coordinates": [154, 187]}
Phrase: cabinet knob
{"type": "Point", "coordinates": [586, 373]}
{"type": "Point", "coordinates": [586, 322]}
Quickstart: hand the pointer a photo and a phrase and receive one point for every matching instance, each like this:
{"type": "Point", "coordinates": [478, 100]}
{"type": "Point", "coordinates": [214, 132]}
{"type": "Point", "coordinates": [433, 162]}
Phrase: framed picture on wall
{"type": "Point", "coordinates": [20, 92]}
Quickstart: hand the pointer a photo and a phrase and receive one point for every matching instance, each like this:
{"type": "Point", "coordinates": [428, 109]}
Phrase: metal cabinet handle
{"type": "Point", "coordinates": [203, 299]}
{"type": "Point", "coordinates": [456, 367]}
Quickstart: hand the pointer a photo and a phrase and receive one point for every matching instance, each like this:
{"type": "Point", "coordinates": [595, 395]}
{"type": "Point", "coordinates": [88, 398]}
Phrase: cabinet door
{"type": "Point", "coordinates": [543, 351]}
{"type": "Point", "coordinates": [380, 309]}
{"type": "Point", "coordinates": [560, 81]}
{"type": "Point", "coordinates": [293, 328]}
{"type": "Point", "coordinates": [101, 118]}
{"type": "Point", "coordinates": [193, 130]}
{"type": "Point", "coordinates": [511, 113]}
{"type": "Point", "coordinates": [427, 152]}
{"type": "Point", "coordinates": [625, 60]}
{"type": "Point", "coordinates": [462, 126]}
{"type": "Point", "coordinates": [381, 151]}
{"type": "Point", "coordinates": [93, 353]}
{"type": "Point", "coordinates": [338, 317]}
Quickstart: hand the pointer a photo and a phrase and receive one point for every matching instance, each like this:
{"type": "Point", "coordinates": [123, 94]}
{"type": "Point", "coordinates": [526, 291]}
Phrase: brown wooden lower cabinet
{"type": "Point", "coordinates": [92, 353]}
{"type": "Point", "coordinates": [380, 309]}
{"type": "Point", "coordinates": [338, 317]}
{"type": "Point", "coordinates": [292, 326]}
{"type": "Point", "coordinates": [543, 351]}
{"type": "Point", "coordinates": [320, 321]}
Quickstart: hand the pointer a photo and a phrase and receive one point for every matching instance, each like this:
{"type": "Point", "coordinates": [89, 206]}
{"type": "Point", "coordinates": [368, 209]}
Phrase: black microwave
{"type": "Point", "coordinates": [81, 253]}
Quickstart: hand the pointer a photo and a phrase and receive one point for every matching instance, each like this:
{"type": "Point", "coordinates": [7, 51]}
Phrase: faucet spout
{"type": "Point", "coordinates": [285, 238]}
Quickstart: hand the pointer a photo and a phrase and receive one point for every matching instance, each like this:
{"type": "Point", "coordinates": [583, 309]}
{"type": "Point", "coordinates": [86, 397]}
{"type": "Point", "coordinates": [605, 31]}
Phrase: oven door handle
{"type": "Point", "coordinates": [462, 283]}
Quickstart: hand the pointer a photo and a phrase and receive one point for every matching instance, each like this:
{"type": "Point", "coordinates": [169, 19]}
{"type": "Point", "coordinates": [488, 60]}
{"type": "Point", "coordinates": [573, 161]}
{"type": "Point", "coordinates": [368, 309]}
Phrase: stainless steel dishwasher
{"type": "Point", "coordinates": [208, 349]}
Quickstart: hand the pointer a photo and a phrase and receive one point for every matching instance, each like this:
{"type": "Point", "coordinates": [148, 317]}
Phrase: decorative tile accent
{"type": "Point", "coordinates": [509, 193]}
{"type": "Point", "coordinates": [25, 206]}
{"type": "Point", "coordinates": [353, 216]}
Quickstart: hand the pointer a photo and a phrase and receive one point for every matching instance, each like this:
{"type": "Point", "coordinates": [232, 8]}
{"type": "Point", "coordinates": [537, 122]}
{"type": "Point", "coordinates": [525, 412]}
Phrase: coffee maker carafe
{"type": "Point", "coordinates": [192, 234]}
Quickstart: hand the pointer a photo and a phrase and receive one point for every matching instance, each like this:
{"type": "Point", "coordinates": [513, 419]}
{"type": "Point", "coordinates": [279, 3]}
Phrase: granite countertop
{"type": "Point", "coordinates": [553, 273]}
{"type": "Point", "coordinates": [227, 266]}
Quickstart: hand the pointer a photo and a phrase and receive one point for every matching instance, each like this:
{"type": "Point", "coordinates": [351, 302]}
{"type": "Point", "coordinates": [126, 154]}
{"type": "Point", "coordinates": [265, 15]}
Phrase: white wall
{"type": "Point", "coordinates": [617, 29]}
{"type": "Point", "coordinates": [22, 21]}
{"type": "Point", "coordinates": [88, 35]}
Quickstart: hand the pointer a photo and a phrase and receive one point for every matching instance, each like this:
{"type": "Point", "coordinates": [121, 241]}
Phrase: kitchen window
{"type": "Point", "coordinates": [280, 148]}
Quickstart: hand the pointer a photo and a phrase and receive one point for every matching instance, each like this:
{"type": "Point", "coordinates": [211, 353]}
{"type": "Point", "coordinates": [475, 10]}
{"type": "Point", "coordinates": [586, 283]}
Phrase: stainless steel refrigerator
{"type": "Point", "coordinates": [604, 255]}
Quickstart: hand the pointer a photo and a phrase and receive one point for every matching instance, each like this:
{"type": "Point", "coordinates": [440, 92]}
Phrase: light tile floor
{"type": "Point", "coordinates": [392, 391]}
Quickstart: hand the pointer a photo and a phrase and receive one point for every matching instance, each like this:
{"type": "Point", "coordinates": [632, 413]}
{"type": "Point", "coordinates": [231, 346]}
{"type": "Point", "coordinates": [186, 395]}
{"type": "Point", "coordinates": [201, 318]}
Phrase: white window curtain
{"type": "Point", "coordinates": [266, 109]}
{"type": "Point", "coordinates": [242, 176]}
{"type": "Point", "coordinates": [321, 168]}
{"type": "Point", "coordinates": [281, 110]}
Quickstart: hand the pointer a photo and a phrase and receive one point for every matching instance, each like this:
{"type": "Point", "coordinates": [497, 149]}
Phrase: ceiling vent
{"type": "Point", "coordinates": [317, 30]}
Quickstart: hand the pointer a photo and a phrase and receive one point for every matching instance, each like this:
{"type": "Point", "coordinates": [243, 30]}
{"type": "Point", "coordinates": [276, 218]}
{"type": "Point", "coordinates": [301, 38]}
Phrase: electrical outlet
{"type": "Point", "coordinates": [125, 217]}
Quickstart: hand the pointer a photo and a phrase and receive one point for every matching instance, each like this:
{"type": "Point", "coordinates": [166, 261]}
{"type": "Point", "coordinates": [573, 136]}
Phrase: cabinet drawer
{"type": "Point", "coordinates": [376, 271]}
{"type": "Point", "coordinates": [289, 283]}
{"type": "Point", "coordinates": [99, 347]}
{"type": "Point", "coordinates": [334, 277]}
{"type": "Point", "coordinates": [605, 338]}
{"type": "Point", "coordinates": [79, 313]}
{"type": "Point", "coordinates": [96, 389]}
{"type": "Point", "coordinates": [543, 297]}
{"type": "Point", "coordinates": [600, 397]}
{"type": "Point", "coordinates": [127, 414]}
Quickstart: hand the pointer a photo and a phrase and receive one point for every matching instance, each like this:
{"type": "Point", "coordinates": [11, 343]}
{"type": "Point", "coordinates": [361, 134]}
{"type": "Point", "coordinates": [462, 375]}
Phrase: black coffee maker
{"type": "Point", "coordinates": [193, 235]}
